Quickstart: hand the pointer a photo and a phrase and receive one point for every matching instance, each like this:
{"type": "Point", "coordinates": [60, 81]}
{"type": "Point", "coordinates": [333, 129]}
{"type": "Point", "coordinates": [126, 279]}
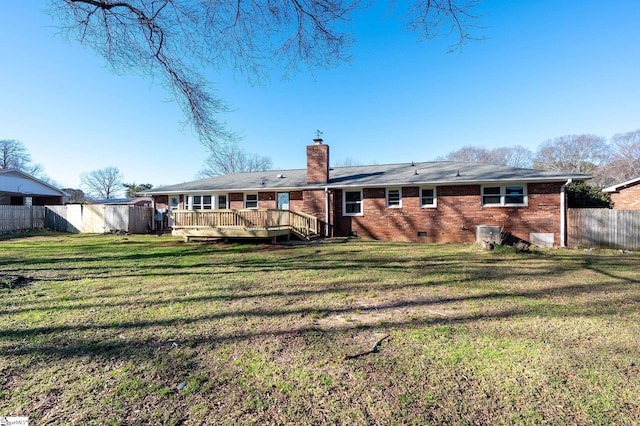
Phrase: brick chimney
{"type": "Point", "coordinates": [317, 162]}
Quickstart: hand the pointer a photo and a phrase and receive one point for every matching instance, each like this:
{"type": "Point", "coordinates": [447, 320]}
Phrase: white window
{"type": "Point", "coordinates": [427, 197]}
{"type": "Point", "coordinates": [222, 201]}
{"type": "Point", "coordinates": [394, 197]}
{"type": "Point", "coordinates": [514, 194]}
{"type": "Point", "coordinates": [491, 196]}
{"type": "Point", "coordinates": [504, 195]}
{"type": "Point", "coordinates": [200, 202]}
{"type": "Point", "coordinates": [174, 203]}
{"type": "Point", "coordinates": [352, 203]}
{"type": "Point", "coordinates": [250, 201]}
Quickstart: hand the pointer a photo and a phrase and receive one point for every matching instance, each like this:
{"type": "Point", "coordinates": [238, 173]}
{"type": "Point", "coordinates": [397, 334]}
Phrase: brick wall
{"type": "Point", "coordinates": [296, 201]}
{"type": "Point", "coordinates": [162, 201]}
{"type": "Point", "coordinates": [314, 203]}
{"type": "Point", "coordinates": [236, 200]}
{"type": "Point", "coordinates": [627, 198]}
{"type": "Point", "coordinates": [459, 211]}
{"type": "Point", "coordinates": [267, 200]}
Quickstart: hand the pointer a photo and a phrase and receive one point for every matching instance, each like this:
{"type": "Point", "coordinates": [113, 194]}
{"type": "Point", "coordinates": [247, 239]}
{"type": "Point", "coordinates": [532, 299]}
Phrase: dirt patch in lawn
{"type": "Point", "coordinates": [171, 243]}
{"type": "Point", "coordinates": [371, 314]}
{"type": "Point", "coordinates": [14, 281]}
{"type": "Point", "coordinates": [271, 247]}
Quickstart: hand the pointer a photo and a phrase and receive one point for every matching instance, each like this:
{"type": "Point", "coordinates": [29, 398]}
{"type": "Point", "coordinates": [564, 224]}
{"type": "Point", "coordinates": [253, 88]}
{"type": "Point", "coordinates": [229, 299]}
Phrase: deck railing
{"type": "Point", "coordinates": [303, 224]}
{"type": "Point", "coordinates": [300, 223]}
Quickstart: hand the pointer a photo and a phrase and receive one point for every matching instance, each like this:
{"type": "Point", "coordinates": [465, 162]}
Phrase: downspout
{"type": "Point", "coordinates": [326, 210]}
{"type": "Point", "coordinates": [153, 214]}
{"type": "Point", "coordinates": [563, 214]}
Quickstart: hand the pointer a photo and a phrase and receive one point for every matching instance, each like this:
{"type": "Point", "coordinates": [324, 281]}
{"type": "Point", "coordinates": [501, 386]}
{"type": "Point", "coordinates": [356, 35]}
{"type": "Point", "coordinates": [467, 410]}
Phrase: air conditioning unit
{"type": "Point", "coordinates": [488, 233]}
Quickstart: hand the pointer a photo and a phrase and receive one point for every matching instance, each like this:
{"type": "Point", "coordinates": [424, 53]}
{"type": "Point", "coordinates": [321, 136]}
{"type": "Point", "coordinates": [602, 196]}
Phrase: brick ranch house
{"type": "Point", "coordinates": [625, 195]}
{"type": "Point", "coordinates": [441, 201]}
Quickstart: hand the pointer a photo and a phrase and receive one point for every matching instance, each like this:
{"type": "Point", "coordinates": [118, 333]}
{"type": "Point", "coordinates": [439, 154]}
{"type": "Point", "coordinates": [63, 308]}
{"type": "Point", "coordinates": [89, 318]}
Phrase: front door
{"type": "Point", "coordinates": [283, 201]}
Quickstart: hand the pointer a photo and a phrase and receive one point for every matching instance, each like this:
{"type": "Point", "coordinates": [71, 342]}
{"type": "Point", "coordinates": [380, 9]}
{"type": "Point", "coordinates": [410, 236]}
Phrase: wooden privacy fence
{"type": "Point", "coordinates": [19, 218]}
{"type": "Point", "coordinates": [99, 219]}
{"type": "Point", "coordinates": [604, 228]}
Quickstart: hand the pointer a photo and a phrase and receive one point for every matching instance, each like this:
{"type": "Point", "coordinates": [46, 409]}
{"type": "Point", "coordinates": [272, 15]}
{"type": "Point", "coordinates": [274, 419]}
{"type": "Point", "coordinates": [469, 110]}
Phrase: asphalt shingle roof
{"type": "Point", "coordinates": [405, 174]}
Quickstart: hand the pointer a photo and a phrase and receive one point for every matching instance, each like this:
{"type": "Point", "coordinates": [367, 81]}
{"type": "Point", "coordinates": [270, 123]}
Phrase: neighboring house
{"type": "Point", "coordinates": [625, 195]}
{"type": "Point", "coordinates": [423, 202]}
{"type": "Point", "coordinates": [136, 201]}
{"type": "Point", "coordinates": [21, 189]}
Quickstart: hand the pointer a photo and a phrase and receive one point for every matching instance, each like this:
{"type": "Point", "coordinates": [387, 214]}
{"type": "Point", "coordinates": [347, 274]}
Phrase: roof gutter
{"type": "Point", "coordinates": [338, 185]}
{"type": "Point", "coordinates": [451, 182]}
{"type": "Point", "coordinates": [563, 214]}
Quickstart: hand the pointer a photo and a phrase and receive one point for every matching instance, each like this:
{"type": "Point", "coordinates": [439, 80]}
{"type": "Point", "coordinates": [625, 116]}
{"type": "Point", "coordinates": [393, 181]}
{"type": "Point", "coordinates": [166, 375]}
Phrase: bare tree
{"type": "Point", "coordinates": [103, 183]}
{"type": "Point", "coordinates": [14, 155]}
{"type": "Point", "coordinates": [75, 196]}
{"type": "Point", "coordinates": [347, 161]}
{"type": "Point", "coordinates": [469, 154]}
{"type": "Point", "coordinates": [175, 39]}
{"type": "Point", "coordinates": [626, 164]}
{"type": "Point", "coordinates": [573, 154]}
{"type": "Point", "coordinates": [230, 158]}
{"type": "Point", "coordinates": [514, 156]}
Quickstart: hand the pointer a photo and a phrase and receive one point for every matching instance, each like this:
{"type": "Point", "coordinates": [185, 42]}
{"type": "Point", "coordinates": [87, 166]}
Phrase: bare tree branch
{"type": "Point", "coordinates": [175, 39]}
{"type": "Point", "coordinates": [14, 155]}
{"type": "Point", "coordinates": [441, 18]}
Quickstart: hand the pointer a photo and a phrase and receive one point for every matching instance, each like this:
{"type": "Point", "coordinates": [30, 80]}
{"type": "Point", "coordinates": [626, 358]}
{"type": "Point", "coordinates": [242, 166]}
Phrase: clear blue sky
{"type": "Point", "coordinates": [546, 69]}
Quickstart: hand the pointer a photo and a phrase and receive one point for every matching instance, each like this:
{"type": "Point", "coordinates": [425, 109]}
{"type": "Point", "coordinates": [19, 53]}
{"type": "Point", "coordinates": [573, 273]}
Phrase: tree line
{"type": "Point", "coordinates": [607, 161]}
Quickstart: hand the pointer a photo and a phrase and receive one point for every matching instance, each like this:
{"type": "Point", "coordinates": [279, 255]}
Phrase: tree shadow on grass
{"type": "Point", "coordinates": [16, 341]}
{"type": "Point", "coordinates": [479, 272]}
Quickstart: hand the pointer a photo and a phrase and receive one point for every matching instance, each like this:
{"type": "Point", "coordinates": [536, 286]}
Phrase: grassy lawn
{"type": "Point", "coordinates": [146, 330]}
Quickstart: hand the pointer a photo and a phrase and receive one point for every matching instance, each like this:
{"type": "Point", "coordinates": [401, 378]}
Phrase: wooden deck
{"type": "Point", "coordinates": [243, 223]}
